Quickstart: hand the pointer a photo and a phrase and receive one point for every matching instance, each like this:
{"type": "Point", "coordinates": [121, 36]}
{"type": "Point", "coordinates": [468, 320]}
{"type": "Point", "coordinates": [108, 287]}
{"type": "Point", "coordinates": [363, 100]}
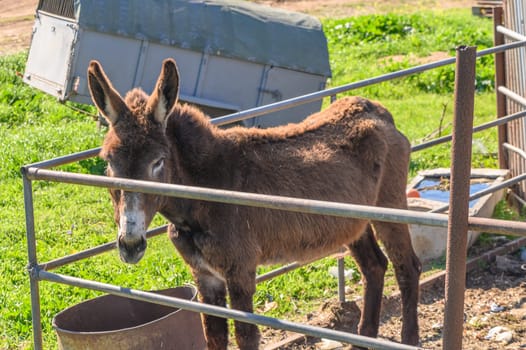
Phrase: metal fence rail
{"type": "Point", "coordinates": [302, 205]}
{"type": "Point", "coordinates": [39, 171]}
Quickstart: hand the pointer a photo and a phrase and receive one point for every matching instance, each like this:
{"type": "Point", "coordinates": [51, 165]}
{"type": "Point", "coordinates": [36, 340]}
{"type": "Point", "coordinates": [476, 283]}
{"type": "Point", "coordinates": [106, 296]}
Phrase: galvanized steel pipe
{"type": "Point", "coordinates": [32, 263]}
{"type": "Point", "coordinates": [512, 95]}
{"type": "Point", "coordinates": [511, 33]}
{"type": "Point", "coordinates": [517, 150]}
{"type": "Point", "coordinates": [482, 193]}
{"type": "Point", "coordinates": [88, 253]}
{"type": "Point", "coordinates": [481, 127]}
{"type": "Point", "coordinates": [274, 202]}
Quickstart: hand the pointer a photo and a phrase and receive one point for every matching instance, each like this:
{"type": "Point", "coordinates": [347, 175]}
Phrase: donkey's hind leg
{"type": "Point", "coordinates": [397, 243]}
{"type": "Point", "coordinates": [396, 238]}
{"type": "Point", "coordinates": [373, 264]}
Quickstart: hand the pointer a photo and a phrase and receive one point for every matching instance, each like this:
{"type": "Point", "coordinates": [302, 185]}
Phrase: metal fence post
{"type": "Point", "coordinates": [500, 80]}
{"type": "Point", "coordinates": [459, 199]}
{"type": "Point", "coordinates": [32, 262]}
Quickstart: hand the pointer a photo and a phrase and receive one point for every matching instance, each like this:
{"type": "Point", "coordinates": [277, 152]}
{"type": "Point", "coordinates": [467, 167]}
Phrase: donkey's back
{"type": "Point", "coordinates": [346, 153]}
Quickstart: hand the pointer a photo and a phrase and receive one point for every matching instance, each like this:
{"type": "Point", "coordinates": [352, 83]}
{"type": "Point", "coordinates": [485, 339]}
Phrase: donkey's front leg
{"type": "Point", "coordinates": [241, 288]}
{"type": "Point", "coordinates": [212, 289]}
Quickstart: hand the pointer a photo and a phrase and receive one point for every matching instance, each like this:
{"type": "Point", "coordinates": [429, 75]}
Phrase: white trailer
{"type": "Point", "coordinates": [232, 55]}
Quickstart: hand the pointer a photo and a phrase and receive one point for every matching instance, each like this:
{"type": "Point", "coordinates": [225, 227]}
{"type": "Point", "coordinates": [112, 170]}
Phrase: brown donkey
{"type": "Point", "coordinates": [351, 153]}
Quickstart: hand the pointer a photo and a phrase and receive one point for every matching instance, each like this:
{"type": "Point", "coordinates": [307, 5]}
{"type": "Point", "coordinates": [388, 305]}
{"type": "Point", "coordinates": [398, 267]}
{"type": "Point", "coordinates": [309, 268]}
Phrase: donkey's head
{"type": "Point", "coordinates": [135, 147]}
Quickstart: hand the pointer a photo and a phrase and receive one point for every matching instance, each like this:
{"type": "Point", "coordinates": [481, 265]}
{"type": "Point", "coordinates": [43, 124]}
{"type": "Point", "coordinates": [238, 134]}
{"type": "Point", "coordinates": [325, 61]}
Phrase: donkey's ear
{"type": "Point", "coordinates": [104, 95]}
{"type": "Point", "coordinates": [166, 91]}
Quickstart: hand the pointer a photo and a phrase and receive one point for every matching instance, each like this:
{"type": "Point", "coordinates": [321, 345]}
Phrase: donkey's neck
{"type": "Point", "coordinates": [197, 144]}
{"type": "Point", "coordinates": [197, 147]}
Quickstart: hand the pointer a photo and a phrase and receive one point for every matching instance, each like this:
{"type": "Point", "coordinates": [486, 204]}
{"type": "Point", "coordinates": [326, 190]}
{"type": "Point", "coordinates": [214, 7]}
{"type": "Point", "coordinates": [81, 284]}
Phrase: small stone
{"type": "Point", "coordinates": [327, 344]}
{"type": "Point", "coordinates": [437, 327]}
{"type": "Point", "coordinates": [492, 334]}
{"type": "Point", "coordinates": [348, 273]}
{"type": "Point", "coordinates": [507, 265]}
{"type": "Point", "coordinates": [494, 307]}
{"type": "Point", "coordinates": [504, 337]}
{"type": "Point", "coordinates": [271, 305]}
{"type": "Point", "coordinates": [478, 322]}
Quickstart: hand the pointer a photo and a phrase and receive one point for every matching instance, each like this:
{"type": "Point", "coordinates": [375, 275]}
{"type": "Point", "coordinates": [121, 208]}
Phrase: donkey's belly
{"type": "Point", "coordinates": [311, 243]}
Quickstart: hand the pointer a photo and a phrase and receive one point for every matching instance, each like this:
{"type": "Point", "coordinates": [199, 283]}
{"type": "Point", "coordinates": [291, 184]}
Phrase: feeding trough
{"type": "Point", "coordinates": [113, 322]}
{"type": "Point", "coordinates": [430, 242]}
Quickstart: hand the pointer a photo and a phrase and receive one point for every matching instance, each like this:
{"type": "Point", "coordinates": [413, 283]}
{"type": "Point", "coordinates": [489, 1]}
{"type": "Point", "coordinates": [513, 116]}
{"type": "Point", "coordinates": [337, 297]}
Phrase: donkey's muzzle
{"type": "Point", "coordinates": [131, 251]}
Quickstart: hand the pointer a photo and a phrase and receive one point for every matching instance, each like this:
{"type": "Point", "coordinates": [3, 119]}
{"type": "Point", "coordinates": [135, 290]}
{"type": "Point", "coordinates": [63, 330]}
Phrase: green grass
{"type": "Point", "coordinates": [372, 45]}
{"type": "Point", "coordinates": [34, 127]}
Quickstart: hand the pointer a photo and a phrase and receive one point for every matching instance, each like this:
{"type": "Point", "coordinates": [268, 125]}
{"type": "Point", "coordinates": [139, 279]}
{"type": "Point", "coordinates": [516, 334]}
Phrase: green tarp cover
{"type": "Point", "coordinates": [234, 29]}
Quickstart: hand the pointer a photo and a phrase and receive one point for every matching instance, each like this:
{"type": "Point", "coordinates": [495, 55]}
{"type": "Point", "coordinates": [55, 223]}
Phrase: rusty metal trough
{"type": "Point", "coordinates": [114, 322]}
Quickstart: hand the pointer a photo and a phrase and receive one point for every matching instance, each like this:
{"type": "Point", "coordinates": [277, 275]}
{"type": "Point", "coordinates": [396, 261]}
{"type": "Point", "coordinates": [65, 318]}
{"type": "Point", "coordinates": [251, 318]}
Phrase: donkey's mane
{"type": "Point", "coordinates": [189, 118]}
{"type": "Point", "coordinates": [136, 100]}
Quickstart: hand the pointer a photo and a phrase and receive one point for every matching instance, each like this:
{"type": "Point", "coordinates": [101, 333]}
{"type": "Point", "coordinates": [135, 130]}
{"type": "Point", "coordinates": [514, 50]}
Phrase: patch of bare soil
{"type": "Point", "coordinates": [347, 8]}
{"type": "Point", "coordinates": [414, 59]}
{"type": "Point", "coordinates": [494, 309]}
{"type": "Point", "coordinates": [16, 23]}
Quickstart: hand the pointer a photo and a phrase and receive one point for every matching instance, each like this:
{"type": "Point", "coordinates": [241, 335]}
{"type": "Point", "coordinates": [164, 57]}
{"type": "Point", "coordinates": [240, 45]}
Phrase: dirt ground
{"type": "Point", "coordinates": [16, 23]}
{"type": "Point", "coordinates": [495, 297]}
{"type": "Point", "coordinates": [495, 294]}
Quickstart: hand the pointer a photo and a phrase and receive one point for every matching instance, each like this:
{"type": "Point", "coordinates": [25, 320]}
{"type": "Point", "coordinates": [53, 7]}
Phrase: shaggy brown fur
{"type": "Point", "coordinates": [350, 153]}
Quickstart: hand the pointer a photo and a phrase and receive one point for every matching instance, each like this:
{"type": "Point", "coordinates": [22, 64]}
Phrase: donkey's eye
{"type": "Point", "coordinates": [157, 167]}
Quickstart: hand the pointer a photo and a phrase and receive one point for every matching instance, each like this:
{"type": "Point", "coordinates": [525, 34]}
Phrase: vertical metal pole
{"type": "Point", "coordinates": [32, 262]}
{"type": "Point", "coordinates": [459, 199]}
{"type": "Point", "coordinates": [341, 280]}
{"type": "Point", "coordinates": [500, 80]}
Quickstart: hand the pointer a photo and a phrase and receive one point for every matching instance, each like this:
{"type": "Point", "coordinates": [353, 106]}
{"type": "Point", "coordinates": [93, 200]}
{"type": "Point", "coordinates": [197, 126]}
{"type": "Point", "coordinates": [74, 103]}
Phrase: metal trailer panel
{"type": "Point", "coordinates": [218, 83]}
{"type": "Point", "coordinates": [282, 84]}
{"type": "Point", "coordinates": [50, 54]}
{"type": "Point", "coordinates": [228, 28]}
{"type": "Point", "coordinates": [116, 54]}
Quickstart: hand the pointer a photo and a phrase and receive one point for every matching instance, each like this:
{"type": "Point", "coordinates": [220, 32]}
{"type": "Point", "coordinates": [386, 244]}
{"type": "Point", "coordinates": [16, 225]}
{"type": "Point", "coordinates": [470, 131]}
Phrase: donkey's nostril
{"type": "Point", "coordinates": [141, 246]}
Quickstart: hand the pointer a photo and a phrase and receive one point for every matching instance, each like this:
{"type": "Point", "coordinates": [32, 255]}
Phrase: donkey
{"type": "Point", "coordinates": [351, 152]}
